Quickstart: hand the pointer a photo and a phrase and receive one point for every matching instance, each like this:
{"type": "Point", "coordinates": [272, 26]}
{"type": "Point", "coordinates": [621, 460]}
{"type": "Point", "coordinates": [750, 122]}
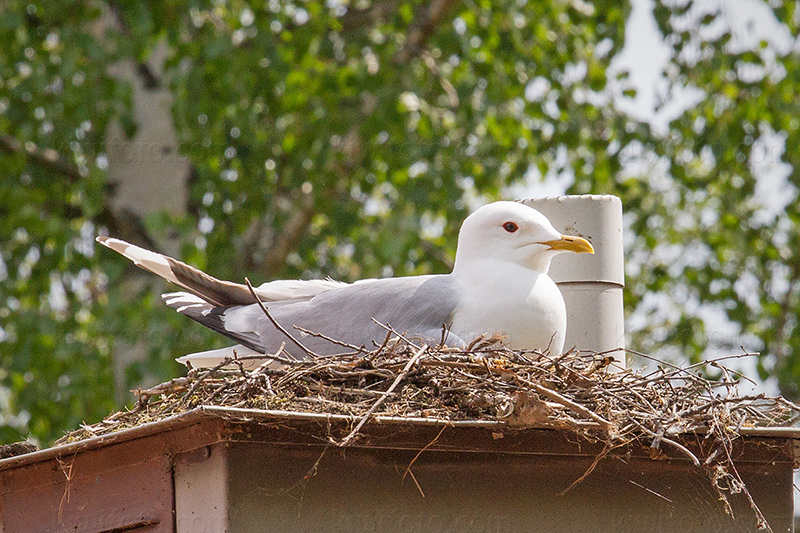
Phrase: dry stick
{"type": "Point", "coordinates": [218, 391]}
{"type": "Point", "coordinates": [666, 440]}
{"type": "Point", "coordinates": [386, 394]}
{"type": "Point", "coordinates": [760, 518]}
{"type": "Point", "coordinates": [308, 475]}
{"type": "Point", "coordinates": [676, 368]}
{"type": "Point", "coordinates": [390, 329]}
{"type": "Point", "coordinates": [722, 358]}
{"type": "Point", "coordinates": [741, 376]}
{"type": "Point", "coordinates": [654, 493]}
{"type": "Point", "coordinates": [445, 334]}
{"type": "Point", "coordinates": [607, 448]}
{"type": "Point", "coordinates": [172, 385]}
{"type": "Point", "coordinates": [419, 487]}
{"type": "Point", "coordinates": [349, 391]}
{"type": "Point", "coordinates": [276, 358]}
{"type": "Point", "coordinates": [239, 364]}
{"type": "Point", "coordinates": [260, 372]}
{"type": "Point", "coordinates": [263, 366]}
{"type": "Point", "coordinates": [408, 468]}
{"type": "Point", "coordinates": [566, 402]}
{"type": "Point", "coordinates": [275, 323]}
{"type": "Point", "coordinates": [226, 361]}
{"type": "Point", "coordinates": [792, 405]}
{"type": "Point", "coordinates": [475, 342]}
{"type": "Point", "coordinates": [356, 349]}
{"type": "Point", "coordinates": [687, 370]}
{"type": "Point", "coordinates": [727, 380]}
{"type": "Point", "coordinates": [384, 343]}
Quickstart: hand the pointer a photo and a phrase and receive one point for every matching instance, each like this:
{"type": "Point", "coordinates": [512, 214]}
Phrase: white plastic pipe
{"type": "Point", "coordinates": [591, 284]}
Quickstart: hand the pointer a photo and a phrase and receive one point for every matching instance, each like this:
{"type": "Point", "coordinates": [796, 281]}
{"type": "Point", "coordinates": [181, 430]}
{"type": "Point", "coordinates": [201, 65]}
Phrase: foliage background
{"type": "Point", "coordinates": [349, 138]}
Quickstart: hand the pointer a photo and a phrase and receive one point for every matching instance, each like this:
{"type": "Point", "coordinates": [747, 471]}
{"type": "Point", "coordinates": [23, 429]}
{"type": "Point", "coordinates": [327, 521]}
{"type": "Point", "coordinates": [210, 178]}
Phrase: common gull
{"type": "Point", "coordinates": [499, 284]}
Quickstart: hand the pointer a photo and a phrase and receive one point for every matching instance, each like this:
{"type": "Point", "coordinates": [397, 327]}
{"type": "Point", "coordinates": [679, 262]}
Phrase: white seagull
{"type": "Point", "coordinates": [499, 284]}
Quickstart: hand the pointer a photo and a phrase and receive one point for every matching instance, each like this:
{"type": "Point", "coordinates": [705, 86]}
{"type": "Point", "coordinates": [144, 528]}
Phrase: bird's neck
{"type": "Point", "coordinates": [502, 272]}
{"type": "Point", "coordinates": [485, 266]}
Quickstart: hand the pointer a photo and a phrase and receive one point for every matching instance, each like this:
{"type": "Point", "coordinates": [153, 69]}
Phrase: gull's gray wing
{"type": "Point", "coordinates": [420, 306]}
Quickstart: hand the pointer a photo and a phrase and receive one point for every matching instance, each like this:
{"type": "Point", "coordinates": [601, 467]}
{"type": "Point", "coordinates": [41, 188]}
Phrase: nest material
{"type": "Point", "coordinates": [576, 391]}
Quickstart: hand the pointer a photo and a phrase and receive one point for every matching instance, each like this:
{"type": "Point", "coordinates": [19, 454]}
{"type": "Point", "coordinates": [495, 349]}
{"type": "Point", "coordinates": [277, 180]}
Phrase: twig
{"type": "Point", "coordinates": [276, 358]}
{"type": "Point", "coordinates": [589, 470]}
{"type": "Point", "coordinates": [669, 441]}
{"type": "Point", "coordinates": [384, 343]}
{"type": "Point", "coordinates": [566, 402]}
{"type": "Point", "coordinates": [356, 349]}
{"type": "Point", "coordinates": [225, 362]}
{"type": "Point", "coordinates": [275, 323]}
{"type": "Point", "coordinates": [391, 330]}
{"type": "Point", "coordinates": [654, 493]}
{"type": "Point", "coordinates": [761, 521]}
{"type": "Point", "coordinates": [380, 400]}
{"type": "Point", "coordinates": [431, 443]}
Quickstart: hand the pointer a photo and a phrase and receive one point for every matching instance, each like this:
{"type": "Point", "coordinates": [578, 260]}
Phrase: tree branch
{"type": "Point", "coordinates": [126, 225]}
{"type": "Point", "coordinates": [286, 241]}
{"type": "Point", "coordinates": [783, 318]}
{"type": "Point", "coordinates": [427, 19]}
{"type": "Point", "coordinates": [149, 78]}
{"type": "Point", "coordinates": [437, 253]}
{"type": "Point", "coordinates": [358, 18]}
{"type": "Point", "coordinates": [121, 223]}
{"type": "Point", "coordinates": [46, 158]}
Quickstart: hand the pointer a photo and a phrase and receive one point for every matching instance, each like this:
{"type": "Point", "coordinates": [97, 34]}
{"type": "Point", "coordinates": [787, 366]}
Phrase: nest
{"type": "Point", "coordinates": [577, 391]}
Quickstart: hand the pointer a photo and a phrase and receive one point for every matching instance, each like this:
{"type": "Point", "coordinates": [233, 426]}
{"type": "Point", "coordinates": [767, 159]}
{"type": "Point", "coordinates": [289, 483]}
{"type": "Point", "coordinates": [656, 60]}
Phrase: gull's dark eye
{"type": "Point", "coordinates": [510, 227]}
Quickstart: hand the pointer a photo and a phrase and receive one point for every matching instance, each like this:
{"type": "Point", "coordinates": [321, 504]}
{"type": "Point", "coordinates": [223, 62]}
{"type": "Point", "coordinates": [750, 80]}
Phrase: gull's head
{"type": "Point", "coordinates": [516, 233]}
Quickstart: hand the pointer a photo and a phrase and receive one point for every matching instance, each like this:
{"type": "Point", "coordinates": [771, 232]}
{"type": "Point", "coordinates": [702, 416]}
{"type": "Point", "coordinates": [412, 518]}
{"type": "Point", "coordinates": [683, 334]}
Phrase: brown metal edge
{"type": "Point", "coordinates": [144, 430]}
{"type": "Point", "coordinates": [390, 433]}
{"type": "Point", "coordinates": [239, 415]}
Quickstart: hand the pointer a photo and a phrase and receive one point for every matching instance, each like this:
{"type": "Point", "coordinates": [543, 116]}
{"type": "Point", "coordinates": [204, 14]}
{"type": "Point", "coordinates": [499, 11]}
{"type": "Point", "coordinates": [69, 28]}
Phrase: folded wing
{"type": "Point", "coordinates": [420, 306]}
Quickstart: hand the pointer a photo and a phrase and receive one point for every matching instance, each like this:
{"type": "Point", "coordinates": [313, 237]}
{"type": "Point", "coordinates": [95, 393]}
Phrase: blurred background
{"type": "Point", "coordinates": [297, 139]}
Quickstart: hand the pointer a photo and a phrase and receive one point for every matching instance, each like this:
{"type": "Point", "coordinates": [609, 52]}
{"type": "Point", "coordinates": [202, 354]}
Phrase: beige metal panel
{"type": "Point", "coordinates": [299, 489]}
{"type": "Point", "coordinates": [201, 491]}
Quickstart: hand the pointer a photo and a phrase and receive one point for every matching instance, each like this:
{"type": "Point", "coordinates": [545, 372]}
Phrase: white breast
{"type": "Point", "coordinates": [522, 304]}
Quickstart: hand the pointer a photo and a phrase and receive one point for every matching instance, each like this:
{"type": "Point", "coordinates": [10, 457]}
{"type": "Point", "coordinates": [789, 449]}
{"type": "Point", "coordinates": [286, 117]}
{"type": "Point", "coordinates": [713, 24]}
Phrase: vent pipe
{"type": "Point", "coordinates": [591, 284]}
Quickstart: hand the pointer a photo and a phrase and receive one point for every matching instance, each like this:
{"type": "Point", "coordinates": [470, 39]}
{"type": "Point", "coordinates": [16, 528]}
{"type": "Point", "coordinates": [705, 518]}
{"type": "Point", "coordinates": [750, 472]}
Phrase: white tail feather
{"type": "Point", "coordinates": [150, 261]}
{"type": "Point", "coordinates": [285, 289]}
{"type": "Point", "coordinates": [211, 358]}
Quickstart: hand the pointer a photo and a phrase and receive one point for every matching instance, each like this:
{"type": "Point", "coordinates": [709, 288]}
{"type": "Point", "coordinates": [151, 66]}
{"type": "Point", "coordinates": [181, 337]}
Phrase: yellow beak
{"type": "Point", "coordinates": [571, 244]}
